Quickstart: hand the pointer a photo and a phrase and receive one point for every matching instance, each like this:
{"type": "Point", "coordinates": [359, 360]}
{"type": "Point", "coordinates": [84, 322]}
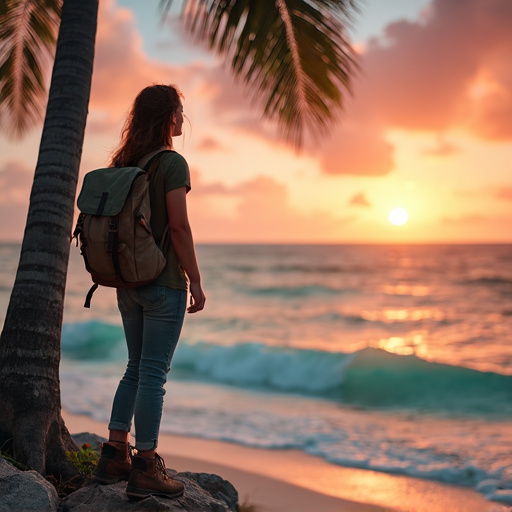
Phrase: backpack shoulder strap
{"type": "Point", "coordinates": [149, 167]}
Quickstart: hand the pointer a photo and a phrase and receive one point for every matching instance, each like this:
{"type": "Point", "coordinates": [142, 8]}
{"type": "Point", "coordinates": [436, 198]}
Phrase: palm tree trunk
{"type": "Point", "coordinates": [30, 404]}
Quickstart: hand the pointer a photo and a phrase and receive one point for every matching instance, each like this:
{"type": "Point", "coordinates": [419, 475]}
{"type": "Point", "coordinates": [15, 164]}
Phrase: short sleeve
{"type": "Point", "coordinates": [176, 172]}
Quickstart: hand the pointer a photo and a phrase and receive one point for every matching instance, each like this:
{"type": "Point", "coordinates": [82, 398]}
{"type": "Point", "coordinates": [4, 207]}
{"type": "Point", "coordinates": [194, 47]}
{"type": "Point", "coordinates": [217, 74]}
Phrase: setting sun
{"type": "Point", "coordinates": [398, 216]}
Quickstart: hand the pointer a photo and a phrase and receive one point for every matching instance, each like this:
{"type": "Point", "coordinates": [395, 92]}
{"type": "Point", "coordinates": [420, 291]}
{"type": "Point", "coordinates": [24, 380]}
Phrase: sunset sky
{"type": "Point", "coordinates": [428, 129]}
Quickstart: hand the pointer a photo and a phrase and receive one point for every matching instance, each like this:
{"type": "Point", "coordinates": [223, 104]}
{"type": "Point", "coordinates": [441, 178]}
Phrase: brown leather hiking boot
{"type": "Point", "coordinates": [149, 476]}
{"type": "Point", "coordinates": [115, 464]}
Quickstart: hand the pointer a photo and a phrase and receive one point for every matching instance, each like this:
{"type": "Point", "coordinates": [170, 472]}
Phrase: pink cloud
{"type": "Point", "coordinates": [359, 200]}
{"type": "Point", "coordinates": [209, 144]}
{"type": "Point", "coordinates": [263, 214]}
{"type": "Point", "coordinates": [504, 193]}
{"type": "Point", "coordinates": [357, 149]}
{"type": "Point", "coordinates": [121, 69]}
{"type": "Point", "coordinates": [15, 184]}
{"type": "Point", "coordinates": [450, 69]}
{"type": "Point", "coordinates": [202, 189]}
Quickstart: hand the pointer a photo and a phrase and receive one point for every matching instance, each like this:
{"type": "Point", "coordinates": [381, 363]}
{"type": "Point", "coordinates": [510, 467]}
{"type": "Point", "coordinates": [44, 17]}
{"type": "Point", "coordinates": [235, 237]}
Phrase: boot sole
{"type": "Point", "coordinates": [107, 479]}
{"type": "Point", "coordinates": [137, 494]}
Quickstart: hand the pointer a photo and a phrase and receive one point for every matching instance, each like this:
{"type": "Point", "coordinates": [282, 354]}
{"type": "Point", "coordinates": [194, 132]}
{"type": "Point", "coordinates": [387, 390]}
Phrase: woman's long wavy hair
{"type": "Point", "coordinates": [148, 126]}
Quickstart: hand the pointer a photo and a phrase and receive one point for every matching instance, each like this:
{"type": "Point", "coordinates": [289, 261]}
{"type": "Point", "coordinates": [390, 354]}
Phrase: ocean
{"type": "Point", "coordinates": [395, 358]}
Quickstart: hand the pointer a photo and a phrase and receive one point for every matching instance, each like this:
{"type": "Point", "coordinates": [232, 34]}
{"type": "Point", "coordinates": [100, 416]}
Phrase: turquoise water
{"type": "Point", "coordinates": [394, 358]}
{"type": "Point", "coordinates": [369, 378]}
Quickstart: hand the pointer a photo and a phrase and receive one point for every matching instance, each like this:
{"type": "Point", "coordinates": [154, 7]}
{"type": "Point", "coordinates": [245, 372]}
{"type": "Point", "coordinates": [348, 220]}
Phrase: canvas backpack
{"type": "Point", "coordinates": [113, 227]}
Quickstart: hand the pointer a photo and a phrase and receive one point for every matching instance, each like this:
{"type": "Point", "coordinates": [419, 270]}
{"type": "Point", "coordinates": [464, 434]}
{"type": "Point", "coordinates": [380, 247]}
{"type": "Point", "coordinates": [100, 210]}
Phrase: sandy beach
{"type": "Point", "coordinates": [292, 481]}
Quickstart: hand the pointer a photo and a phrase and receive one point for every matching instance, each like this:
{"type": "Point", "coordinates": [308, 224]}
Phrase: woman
{"type": "Point", "coordinates": [153, 314]}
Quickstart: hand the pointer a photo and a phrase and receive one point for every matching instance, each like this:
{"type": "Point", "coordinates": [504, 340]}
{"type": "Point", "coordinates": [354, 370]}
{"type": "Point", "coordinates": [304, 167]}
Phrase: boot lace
{"type": "Point", "coordinates": [160, 463]}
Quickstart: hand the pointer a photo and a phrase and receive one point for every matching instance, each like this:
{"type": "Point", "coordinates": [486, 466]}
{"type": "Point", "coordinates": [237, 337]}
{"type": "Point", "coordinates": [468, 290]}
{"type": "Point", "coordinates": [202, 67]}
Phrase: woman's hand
{"type": "Point", "coordinates": [197, 298]}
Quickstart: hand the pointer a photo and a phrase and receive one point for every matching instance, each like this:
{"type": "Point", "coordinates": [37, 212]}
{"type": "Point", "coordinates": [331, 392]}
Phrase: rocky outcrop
{"type": "Point", "coordinates": [203, 493]}
{"type": "Point", "coordinates": [28, 491]}
{"type": "Point", "coordinates": [25, 491]}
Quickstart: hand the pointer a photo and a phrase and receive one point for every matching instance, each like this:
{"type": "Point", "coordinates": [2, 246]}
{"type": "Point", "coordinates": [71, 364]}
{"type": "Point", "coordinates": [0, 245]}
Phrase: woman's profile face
{"type": "Point", "coordinates": [176, 129]}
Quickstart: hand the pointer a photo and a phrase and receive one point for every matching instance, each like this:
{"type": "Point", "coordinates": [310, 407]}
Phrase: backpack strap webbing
{"type": "Point", "coordinates": [101, 204]}
{"type": "Point", "coordinates": [88, 297]}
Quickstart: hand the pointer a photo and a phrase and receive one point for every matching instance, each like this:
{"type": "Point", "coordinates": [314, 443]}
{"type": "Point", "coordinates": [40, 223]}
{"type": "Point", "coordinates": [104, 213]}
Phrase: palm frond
{"type": "Point", "coordinates": [293, 55]}
{"type": "Point", "coordinates": [27, 37]}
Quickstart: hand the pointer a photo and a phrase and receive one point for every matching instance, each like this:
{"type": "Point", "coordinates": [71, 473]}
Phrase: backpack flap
{"type": "Point", "coordinates": [104, 191]}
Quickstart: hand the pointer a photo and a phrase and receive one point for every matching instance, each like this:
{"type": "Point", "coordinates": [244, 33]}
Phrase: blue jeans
{"type": "Point", "coordinates": [152, 320]}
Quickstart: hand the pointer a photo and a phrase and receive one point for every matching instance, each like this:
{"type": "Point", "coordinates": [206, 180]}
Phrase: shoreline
{"type": "Point", "coordinates": [293, 481]}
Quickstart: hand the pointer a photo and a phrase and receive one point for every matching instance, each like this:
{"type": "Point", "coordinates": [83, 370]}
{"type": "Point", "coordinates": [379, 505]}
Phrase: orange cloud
{"type": "Point", "coordinates": [442, 148]}
{"type": "Point", "coordinates": [355, 146]}
{"type": "Point", "coordinates": [504, 193]}
{"type": "Point", "coordinates": [203, 189]}
{"type": "Point", "coordinates": [359, 200]}
{"type": "Point", "coordinates": [209, 144]}
{"type": "Point", "coordinates": [262, 214]}
{"type": "Point", "coordinates": [358, 149]}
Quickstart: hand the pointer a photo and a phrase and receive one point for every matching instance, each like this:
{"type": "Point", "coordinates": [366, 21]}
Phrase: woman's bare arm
{"type": "Point", "coordinates": [183, 243]}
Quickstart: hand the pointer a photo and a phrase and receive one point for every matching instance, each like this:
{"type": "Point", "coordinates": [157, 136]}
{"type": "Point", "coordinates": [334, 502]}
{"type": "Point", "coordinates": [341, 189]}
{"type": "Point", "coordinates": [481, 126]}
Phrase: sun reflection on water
{"type": "Point", "coordinates": [405, 289]}
{"type": "Point", "coordinates": [403, 315]}
{"type": "Point", "coordinates": [405, 346]}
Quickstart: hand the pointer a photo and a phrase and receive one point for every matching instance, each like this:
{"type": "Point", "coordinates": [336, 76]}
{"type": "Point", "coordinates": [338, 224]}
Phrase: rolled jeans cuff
{"type": "Point", "coordinates": [146, 445]}
{"type": "Point", "coordinates": [117, 425]}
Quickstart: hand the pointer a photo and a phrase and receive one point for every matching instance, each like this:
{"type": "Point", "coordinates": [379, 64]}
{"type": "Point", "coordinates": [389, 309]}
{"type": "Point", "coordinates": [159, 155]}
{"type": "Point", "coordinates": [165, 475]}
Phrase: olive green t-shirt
{"type": "Point", "coordinates": [171, 173]}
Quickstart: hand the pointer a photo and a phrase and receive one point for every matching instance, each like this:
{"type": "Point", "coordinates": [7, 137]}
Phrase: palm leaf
{"type": "Point", "coordinates": [27, 38]}
{"type": "Point", "coordinates": [293, 55]}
